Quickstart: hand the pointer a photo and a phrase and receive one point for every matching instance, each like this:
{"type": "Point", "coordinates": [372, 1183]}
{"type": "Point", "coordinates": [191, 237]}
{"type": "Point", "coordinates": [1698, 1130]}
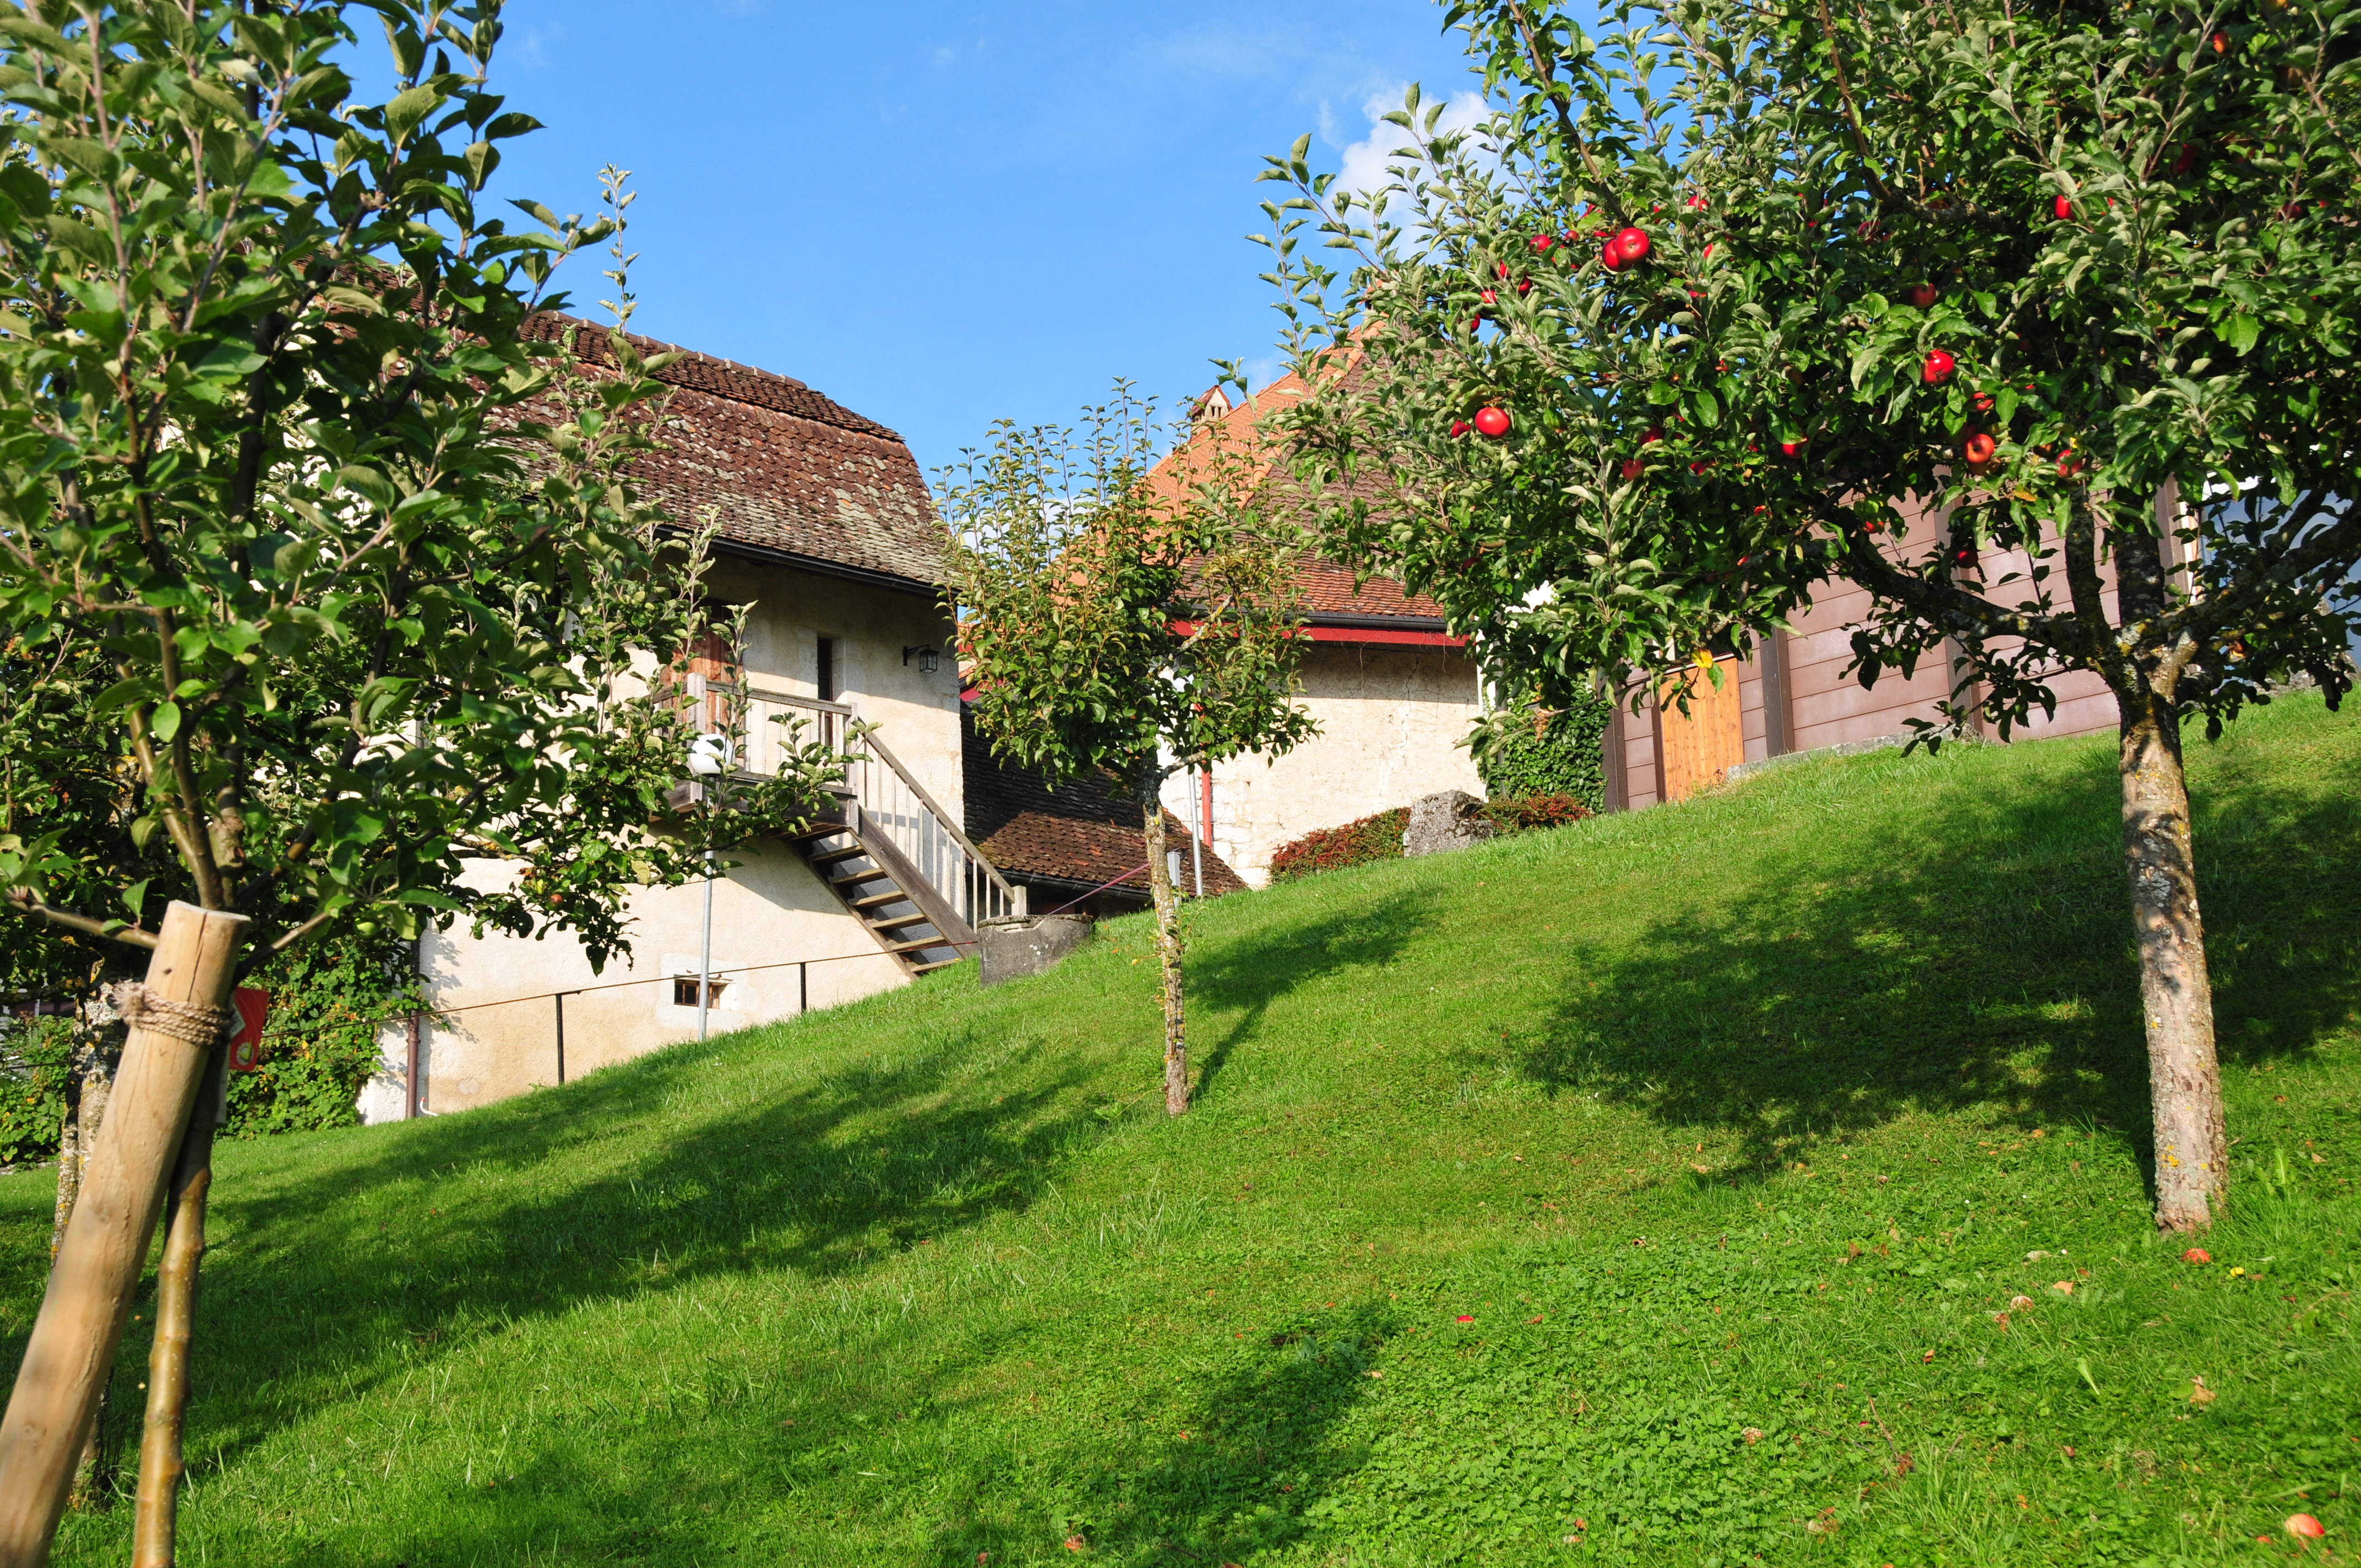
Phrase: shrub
{"type": "Point", "coordinates": [1377, 838]}
{"type": "Point", "coordinates": [1533, 812]}
{"type": "Point", "coordinates": [35, 1053]}
{"type": "Point", "coordinates": [319, 1047]}
{"type": "Point", "coordinates": [1526, 751]}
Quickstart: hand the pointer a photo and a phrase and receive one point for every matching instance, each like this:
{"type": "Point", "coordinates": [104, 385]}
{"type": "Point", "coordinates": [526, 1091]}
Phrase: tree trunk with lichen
{"type": "Point", "coordinates": [1168, 955]}
{"type": "Point", "coordinates": [90, 1078]}
{"type": "Point", "coordinates": [2175, 992]}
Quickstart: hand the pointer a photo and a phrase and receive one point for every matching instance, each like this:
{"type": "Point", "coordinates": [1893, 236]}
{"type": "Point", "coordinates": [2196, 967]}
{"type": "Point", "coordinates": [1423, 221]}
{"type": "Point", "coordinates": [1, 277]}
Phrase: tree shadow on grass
{"type": "Point", "coordinates": [328, 1285]}
{"type": "Point", "coordinates": [1980, 960]}
{"type": "Point", "coordinates": [1238, 1471]}
{"type": "Point", "coordinates": [1252, 970]}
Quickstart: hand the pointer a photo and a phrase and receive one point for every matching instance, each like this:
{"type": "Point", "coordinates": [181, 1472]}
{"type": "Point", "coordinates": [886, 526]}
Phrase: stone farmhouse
{"type": "Point", "coordinates": [1393, 691]}
{"type": "Point", "coordinates": [826, 530]}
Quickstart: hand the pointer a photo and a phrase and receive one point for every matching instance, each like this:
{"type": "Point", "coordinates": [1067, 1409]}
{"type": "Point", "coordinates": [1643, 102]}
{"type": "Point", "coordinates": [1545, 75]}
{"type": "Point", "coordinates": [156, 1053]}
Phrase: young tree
{"type": "Point", "coordinates": [1112, 624]}
{"type": "Point", "coordinates": [2034, 322]}
{"type": "Point", "coordinates": [318, 577]}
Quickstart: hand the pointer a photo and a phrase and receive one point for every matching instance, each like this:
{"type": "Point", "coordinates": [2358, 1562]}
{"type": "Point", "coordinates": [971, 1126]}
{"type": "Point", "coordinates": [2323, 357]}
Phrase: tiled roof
{"type": "Point", "coordinates": [1085, 831]}
{"type": "Point", "coordinates": [1328, 588]}
{"type": "Point", "coordinates": [781, 466]}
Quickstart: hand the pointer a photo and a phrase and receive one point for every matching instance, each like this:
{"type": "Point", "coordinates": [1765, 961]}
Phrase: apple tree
{"type": "Point", "coordinates": [2036, 323]}
{"type": "Point", "coordinates": [320, 579]}
{"type": "Point", "coordinates": [1113, 625]}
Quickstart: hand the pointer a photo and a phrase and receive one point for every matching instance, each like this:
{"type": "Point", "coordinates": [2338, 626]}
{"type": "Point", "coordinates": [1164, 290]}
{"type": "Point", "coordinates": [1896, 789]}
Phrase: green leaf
{"type": "Point", "coordinates": [409, 111]}
{"type": "Point", "coordinates": [166, 722]}
{"type": "Point", "coordinates": [2241, 332]}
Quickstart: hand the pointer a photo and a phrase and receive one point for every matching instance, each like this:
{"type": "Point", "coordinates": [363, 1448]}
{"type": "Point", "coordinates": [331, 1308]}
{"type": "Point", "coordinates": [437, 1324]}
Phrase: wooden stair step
{"type": "Point", "coordinates": [892, 921]}
{"type": "Point", "coordinates": [939, 963]}
{"type": "Point", "coordinates": [918, 947]}
{"type": "Point", "coordinates": [818, 830]}
{"type": "Point", "coordinates": [878, 900]}
{"type": "Point", "coordinates": [829, 857]}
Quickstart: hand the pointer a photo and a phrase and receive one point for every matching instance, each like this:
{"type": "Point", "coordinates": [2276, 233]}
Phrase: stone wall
{"type": "Point", "coordinates": [1391, 718]}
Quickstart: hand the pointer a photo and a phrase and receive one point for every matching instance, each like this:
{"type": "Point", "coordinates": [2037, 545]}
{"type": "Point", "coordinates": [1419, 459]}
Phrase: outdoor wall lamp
{"type": "Point", "coordinates": [927, 658]}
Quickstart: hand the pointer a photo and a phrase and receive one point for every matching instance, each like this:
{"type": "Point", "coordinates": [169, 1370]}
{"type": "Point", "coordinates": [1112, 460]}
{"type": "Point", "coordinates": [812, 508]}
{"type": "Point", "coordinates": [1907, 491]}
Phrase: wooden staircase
{"type": "Point", "coordinates": [891, 855]}
{"type": "Point", "coordinates": [881, 890]}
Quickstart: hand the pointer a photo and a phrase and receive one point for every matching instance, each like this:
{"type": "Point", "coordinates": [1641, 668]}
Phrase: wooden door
{"type": "Point", "coordinates": [1701, 746]}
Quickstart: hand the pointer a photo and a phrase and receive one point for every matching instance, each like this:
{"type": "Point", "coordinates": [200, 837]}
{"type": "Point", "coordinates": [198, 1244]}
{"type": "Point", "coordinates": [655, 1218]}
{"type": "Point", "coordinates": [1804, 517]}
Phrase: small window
{"type": "Point", "coordinates": [825, 679]}
{"type": "Point", "coordinates": [683, 990]}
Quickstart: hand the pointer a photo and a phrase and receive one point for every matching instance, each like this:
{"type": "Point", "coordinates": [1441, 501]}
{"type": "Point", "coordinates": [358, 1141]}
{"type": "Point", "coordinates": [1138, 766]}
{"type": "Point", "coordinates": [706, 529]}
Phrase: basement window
{"type": "Point", "coordinates": [683, 990]}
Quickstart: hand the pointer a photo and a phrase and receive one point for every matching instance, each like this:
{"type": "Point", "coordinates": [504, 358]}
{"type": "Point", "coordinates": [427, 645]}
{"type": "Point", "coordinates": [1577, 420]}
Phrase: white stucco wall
{"type": "Point", "coordinates": [1390, 720]}
{"type": "Point", "coordinates": [771, 911]}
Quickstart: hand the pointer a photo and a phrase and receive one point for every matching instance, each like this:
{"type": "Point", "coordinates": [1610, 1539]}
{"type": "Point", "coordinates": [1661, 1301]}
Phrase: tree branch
{"type": "Point", "coordinates": [33, 906]}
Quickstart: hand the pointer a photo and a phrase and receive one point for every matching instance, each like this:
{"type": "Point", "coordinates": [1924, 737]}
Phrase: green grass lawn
{"type": "Point", "coordinates": [1654, 1189]}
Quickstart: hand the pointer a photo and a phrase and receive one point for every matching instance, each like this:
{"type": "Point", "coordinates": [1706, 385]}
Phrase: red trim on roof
{"type": "Point", "coordinates": [1373, 634]}
{"type": "Point", "coordinates": [1355, 635]}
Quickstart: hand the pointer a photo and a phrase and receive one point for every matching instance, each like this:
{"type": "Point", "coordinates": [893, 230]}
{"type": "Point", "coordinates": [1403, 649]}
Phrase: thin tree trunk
{"type": "Point", "coordinates": [2176, 993]}
{"type": "Point", "coordinates": [160, 1464]}
{"type": "Point", "coordinates": [1168, 953]}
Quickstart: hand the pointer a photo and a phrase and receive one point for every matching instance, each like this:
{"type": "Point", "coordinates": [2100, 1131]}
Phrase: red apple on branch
{"type": "Point", "coordinates": [1459, 427]}
{"type": "Point", "coordinates": [1938, 367]}
{"type": "Point", "coordinates": [1793, 448]}
{"type": "Point", "coordinates": [1925, 295]}
{"type": "Point", "coordinates": [1492, 421]}
{"type": "Point", "coordinates": [1979, 449]}
{"type": "Point", "coordinates": [2063, 207]}
{"type": "Point", "coordinates": [1631, 245]}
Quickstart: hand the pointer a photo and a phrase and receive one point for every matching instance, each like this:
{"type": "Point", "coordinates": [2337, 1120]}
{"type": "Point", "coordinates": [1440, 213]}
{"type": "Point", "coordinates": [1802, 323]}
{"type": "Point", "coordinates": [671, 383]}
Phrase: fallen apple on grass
{"type": "Point", "coordinates": [2305, 1526]}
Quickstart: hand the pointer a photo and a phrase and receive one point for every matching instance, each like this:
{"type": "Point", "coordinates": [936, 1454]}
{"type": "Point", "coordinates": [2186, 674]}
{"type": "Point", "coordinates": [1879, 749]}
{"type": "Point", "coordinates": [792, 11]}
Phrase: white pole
{"type": "Point", "coordinates": [1197, 840]}
{"type": "Point", "coordinates": [704, 964]}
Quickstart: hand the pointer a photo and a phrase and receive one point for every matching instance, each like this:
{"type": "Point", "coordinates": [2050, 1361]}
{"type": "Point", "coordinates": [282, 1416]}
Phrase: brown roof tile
{"type": "Point", "coordinates": [779, 466]}
{"type": "Point", "coordinates": [1328, 588]}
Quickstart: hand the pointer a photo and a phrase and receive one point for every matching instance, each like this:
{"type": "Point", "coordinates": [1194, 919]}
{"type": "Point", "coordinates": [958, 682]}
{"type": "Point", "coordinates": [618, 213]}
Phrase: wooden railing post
{"type": "Point", "coordinates": [80, 1322]}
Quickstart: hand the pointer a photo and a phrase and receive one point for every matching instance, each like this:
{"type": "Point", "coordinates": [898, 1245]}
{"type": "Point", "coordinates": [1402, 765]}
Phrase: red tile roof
{"type": "Point", "coordinates": [782, 467]}
{"type": "Point", "coordinates": [1084, 832]}
{"type": "Point", "coordinates": [1328, 588]}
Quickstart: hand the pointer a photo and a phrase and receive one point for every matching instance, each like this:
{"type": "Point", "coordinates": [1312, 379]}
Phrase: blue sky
{"type": "Point", "coordinates": [942, 214]}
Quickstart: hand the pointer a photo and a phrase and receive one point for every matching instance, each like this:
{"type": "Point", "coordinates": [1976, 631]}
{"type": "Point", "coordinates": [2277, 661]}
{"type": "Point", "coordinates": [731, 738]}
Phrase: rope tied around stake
{"type": "Point", "coordinates": [192, 1021]}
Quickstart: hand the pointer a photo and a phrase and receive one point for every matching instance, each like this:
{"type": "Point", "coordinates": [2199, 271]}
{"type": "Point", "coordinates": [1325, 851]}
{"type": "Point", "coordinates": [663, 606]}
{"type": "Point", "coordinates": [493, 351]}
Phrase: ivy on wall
{"type": "Point", "coordinates": [1526, 751]}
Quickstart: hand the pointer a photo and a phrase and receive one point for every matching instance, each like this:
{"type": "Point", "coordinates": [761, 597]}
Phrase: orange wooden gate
{"type": "Point", "coordinates": [1701, 746]}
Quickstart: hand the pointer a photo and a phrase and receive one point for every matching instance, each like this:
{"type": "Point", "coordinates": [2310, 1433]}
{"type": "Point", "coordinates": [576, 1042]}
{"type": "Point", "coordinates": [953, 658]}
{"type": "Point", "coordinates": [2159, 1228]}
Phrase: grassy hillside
{"type": "Point", "coordinates": [1654, 1189]}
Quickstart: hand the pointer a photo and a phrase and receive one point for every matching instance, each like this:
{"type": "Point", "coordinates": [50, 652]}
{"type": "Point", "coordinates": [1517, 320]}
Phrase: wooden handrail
{"type": "Point", "coordinates": [755, 694]}
{"type": "Point", "coordinates": [958, 836]}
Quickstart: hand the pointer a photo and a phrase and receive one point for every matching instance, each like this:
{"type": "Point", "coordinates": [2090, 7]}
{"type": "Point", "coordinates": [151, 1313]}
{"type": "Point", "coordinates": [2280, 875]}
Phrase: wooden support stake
{"type": "Point", "coordinates": [80, 1321]}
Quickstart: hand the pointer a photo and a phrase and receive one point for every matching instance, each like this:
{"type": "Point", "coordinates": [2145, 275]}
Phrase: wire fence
{"type": "Point", "coordinates": [707, 984]}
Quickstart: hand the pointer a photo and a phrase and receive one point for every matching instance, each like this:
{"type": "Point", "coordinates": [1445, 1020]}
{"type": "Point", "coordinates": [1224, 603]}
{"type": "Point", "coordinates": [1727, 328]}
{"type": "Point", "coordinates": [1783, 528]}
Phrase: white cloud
{"type": "Point", "coordinates": [1362, 166]}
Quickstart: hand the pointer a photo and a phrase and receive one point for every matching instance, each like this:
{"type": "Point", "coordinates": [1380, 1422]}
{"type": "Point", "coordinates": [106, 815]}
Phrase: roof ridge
{"type": "Point", "coordinates": [720, 378]}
